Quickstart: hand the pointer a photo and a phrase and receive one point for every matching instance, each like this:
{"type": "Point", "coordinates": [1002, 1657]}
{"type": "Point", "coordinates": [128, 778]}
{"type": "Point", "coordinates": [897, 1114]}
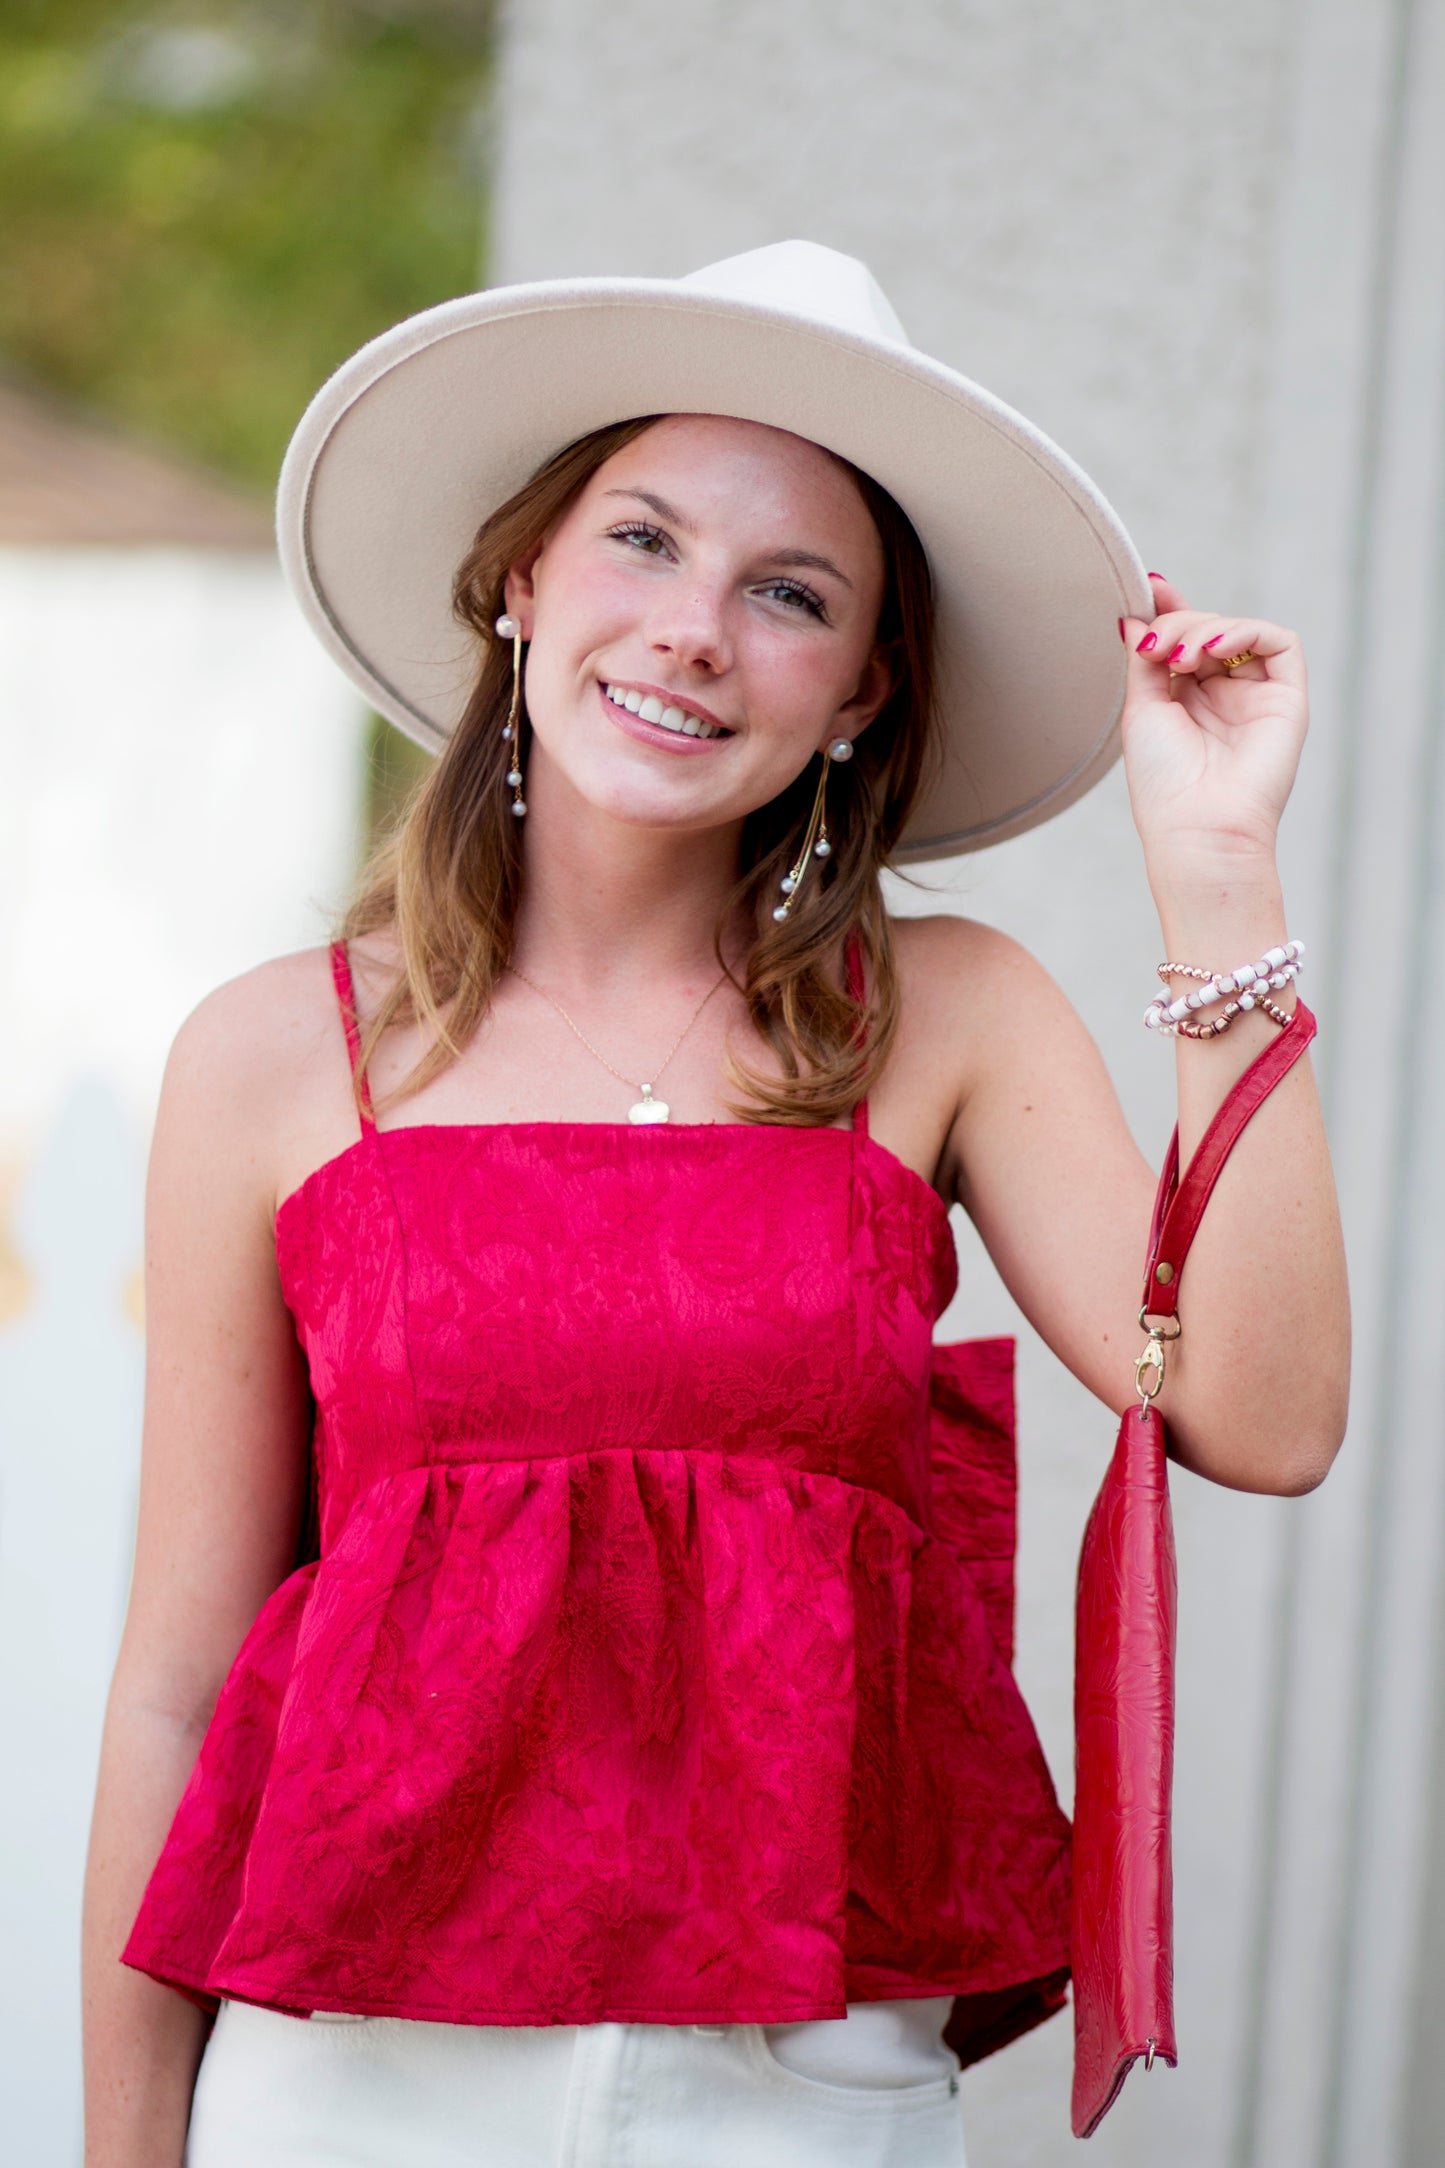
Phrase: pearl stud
{"type": "Point", "coordinates": [507, 628]}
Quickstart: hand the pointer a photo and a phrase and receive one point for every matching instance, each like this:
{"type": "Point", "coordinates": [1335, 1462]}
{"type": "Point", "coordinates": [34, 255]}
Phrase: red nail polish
{"type": "Point", "coordinates": [1214, 642]}
{"type": "Point", "coordinates": [1121, 628]}
{"type": "Point", "coordinates": [1175, 653]}
{"type": "Point", "coordinates": [1154, 575]}
{"type": "Point", "coordinates": [1149, 640]}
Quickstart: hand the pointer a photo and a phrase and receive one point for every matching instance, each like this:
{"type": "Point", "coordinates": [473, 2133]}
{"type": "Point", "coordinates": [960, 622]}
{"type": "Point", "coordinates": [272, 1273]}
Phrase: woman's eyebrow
{"type": "Point", "coordinates": [812, 561]}
{"type": "Point", "coordinates": [808, 558]}
{"type": "Point", "coordinates": [660, 506]}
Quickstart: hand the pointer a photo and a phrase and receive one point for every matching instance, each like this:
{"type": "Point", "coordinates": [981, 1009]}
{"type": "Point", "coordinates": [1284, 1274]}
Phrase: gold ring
{"type": "Point", "coordinates": [1232, 662]}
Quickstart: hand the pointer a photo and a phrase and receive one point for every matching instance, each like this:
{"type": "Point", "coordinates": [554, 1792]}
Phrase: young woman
{"type": "Point", "coordinates": [546, 1669]}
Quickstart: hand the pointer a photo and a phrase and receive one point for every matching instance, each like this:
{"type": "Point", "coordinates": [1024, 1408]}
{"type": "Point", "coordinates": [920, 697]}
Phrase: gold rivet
{"type": "Point", "coordinates": [1163, 1274]}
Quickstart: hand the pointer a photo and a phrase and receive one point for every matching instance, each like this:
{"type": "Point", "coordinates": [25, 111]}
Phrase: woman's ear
{"type": "Point", "coordinates": [519, 589]}
{"type": "Point", "coordinates": [878, 679]}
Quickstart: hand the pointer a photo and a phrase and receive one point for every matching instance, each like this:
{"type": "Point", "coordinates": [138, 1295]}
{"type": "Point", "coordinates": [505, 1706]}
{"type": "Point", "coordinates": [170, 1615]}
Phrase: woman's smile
{"type": "Point", "coordinates": [654, 718]}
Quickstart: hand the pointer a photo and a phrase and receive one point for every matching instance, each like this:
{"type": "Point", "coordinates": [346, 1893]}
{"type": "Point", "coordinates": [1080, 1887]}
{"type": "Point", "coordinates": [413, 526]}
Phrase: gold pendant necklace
{"type": "Point", "coordinates": [645, 1110]}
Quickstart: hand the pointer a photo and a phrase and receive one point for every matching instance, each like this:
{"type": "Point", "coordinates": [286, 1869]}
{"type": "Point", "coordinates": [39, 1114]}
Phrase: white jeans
{"type": "Point", "coordinates": [877, 2089]}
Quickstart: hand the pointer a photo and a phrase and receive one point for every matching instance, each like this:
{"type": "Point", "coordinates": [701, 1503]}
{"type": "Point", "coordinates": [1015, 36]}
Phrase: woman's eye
{"type": "Point", "coordinates": [641, 536]}
{"type": "Point", "coordinates": [796, 595]}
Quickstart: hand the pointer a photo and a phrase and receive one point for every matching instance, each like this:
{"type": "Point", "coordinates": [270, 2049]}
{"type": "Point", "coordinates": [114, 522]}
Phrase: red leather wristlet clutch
{"type": "Point", "coordinates": [1123, 1894]}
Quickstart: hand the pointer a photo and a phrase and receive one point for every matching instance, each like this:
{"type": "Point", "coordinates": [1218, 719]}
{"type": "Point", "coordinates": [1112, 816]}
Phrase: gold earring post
{"type": "Point", "coordinates": [508, 628]}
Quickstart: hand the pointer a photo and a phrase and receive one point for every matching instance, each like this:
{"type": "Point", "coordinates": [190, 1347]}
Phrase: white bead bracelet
{"type": "Point", "coordinates": [1248, 986]}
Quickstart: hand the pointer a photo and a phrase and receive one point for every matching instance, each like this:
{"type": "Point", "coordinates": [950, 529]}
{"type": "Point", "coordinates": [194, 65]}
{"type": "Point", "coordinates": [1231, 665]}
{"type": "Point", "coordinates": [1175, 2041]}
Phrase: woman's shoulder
{"type": "Point", "coordinates": [260, 1064]}
{"type": "Point", "coordinates": [267, 1018]}
{"type": "Point", "coordinates": [940, 953]}
{"type": "Point", "coordinates": [970, 996]}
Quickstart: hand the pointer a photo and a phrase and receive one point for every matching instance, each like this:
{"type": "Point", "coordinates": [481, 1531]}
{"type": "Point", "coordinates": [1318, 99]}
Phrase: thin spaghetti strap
{"type": "Point", "coordinates": [856, 989]}
{"type": "Point", "coordinates": [346, 1002]}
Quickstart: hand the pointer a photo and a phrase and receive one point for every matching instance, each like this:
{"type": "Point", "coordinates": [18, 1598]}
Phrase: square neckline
{"type": "Point", "coordinates": [372, 1134]}
{"type": "Point", "coordinates": [857, 1132]}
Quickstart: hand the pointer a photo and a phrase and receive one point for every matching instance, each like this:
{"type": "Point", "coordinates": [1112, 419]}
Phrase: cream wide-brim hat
{"type": "Point", "coordinates": [430, 427]}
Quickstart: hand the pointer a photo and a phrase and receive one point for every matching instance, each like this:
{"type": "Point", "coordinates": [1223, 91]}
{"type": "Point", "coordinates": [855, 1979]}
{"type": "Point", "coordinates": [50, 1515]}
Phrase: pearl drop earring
{"type": "Point", "coordinates": [816, 842]}
{"type": "Point", "coordinates": [507, 628]}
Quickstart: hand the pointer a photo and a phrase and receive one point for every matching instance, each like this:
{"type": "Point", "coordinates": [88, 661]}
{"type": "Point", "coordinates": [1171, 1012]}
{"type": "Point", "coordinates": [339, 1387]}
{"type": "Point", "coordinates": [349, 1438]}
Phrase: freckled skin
{"type": "Point", "coordinates": [708, 605]}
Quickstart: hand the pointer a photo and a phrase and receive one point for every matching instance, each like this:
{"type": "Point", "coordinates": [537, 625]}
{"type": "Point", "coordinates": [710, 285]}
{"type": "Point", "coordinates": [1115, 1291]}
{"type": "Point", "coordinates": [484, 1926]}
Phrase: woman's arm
{"type": "Point", "coordinates": [222, 1481]}
{"type": "Point", "coordinates": [1257, 1386]}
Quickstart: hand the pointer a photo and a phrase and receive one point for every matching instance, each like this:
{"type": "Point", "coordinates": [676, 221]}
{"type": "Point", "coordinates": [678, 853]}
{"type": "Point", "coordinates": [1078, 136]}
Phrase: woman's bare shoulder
{"type": "Point", "coordinates": [956, 981]}
{"type": "Point", "coordinates": [985, 1035]}
{"type": "Point", "coordinates": [258, 1072]}
{"type": "Point", "coordinates": [973, 1002]}
{"type": "Point", "coordinates": [261, 1029]}
{"type": "Point", "coordinates": [941, 955]}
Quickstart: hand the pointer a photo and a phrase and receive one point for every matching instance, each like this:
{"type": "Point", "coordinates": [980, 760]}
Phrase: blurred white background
{"type": "Point", "coordinates": [183, 796]}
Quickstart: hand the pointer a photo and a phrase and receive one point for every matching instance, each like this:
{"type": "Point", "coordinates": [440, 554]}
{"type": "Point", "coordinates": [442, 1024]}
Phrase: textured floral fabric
{"type": "Point", "coordinates": [655, 1662]}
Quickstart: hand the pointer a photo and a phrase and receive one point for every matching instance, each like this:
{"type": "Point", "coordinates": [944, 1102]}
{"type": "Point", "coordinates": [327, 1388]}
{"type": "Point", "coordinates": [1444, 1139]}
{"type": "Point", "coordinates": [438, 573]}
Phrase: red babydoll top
{"type": "Point", "coordinates": [655, 1660]}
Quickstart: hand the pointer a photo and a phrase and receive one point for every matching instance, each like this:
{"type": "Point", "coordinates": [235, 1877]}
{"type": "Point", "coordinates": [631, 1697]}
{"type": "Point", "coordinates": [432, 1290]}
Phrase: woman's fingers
{"type": "Point", "coordinates": [1198, 641]}
{"type": "Point", "coordinates": [1166, 597]}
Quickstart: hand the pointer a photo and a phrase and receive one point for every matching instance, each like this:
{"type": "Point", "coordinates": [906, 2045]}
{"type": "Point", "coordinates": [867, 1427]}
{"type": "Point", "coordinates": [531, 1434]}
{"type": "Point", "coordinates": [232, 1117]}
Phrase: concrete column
{"type": "Point", "coordinates": [1200, 242]}
{"type": "Point", "coordinates": [1344, 2039]}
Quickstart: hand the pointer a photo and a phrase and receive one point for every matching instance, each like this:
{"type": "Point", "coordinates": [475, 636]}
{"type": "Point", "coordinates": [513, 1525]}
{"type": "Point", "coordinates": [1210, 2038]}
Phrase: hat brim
{"type": "Point", "coordinates": [425, 431]}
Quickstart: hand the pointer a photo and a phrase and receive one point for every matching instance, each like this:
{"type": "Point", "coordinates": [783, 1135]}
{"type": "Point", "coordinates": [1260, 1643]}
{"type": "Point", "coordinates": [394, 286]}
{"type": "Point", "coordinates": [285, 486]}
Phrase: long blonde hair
{"type": "Point", "coordinates": [448, 879]}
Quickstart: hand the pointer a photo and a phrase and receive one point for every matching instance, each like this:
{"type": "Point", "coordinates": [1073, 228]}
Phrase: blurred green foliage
{"type": "Point", "coordinates": [206, 207]}
{"type": "Point", "coordinates": [395, 766]}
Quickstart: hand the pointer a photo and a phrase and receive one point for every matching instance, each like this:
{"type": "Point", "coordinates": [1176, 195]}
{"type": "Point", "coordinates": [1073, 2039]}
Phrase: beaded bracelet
{"type": "Point", "coordinates": [1254, 1000]}
{"type": "Point", "coordinates": [1248, 983]}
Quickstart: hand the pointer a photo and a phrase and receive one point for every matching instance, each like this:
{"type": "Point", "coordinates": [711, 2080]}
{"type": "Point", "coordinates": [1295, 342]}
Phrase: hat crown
{"type": "Point", "coordinates": [805, 279]}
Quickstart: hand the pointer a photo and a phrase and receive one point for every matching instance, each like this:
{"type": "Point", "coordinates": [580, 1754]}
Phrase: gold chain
{"type": "Point", "coordinates": [677, 1042]}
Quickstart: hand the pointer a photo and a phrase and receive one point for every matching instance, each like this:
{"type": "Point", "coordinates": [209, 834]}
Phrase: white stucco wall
{"type": "Point", "coordinates": [180, 797]}
{"type": "Point", "coordinates": [1199, 242]}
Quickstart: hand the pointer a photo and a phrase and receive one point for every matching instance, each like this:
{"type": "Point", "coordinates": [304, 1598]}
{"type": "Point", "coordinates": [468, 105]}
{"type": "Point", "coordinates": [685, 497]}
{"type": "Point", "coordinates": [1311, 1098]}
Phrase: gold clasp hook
{"type": "Point", "coordinates": [1152, 1359]}
{"type": "Point", "coordinates": [1149, 1369]}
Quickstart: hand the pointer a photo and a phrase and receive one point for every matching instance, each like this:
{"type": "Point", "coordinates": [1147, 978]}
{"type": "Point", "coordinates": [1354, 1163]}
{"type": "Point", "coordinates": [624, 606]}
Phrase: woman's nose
{"type": "Point", "coordinates": [692, 628]}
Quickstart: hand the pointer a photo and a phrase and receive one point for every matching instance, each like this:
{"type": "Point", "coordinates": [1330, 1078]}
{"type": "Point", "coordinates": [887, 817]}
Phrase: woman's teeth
{"type": "Point", "coordinates": [651, 710]}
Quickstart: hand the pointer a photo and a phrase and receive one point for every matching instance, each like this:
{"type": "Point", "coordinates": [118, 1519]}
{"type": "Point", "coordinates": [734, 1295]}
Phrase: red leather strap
{"type": "Point", "coordinates": [1179, 1204]}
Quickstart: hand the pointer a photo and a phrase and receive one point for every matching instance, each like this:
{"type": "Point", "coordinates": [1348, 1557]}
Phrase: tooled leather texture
{"type": "Point", "coordinates": [1124, 1659]}
{"type": "Point", "coordinates": [655, 1661]}
{"type": "Point", "coordinates": [1123, 1903]}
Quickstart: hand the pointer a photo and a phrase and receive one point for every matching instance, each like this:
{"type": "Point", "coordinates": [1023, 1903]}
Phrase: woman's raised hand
{"type": "Point", "coordinates": [1210, 754]}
